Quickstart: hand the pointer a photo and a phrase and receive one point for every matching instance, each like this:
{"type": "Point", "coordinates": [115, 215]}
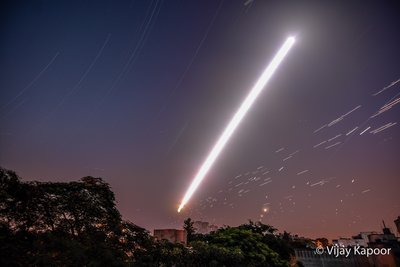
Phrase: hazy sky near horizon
{"type": "Point", "coordinates": [137, 92]}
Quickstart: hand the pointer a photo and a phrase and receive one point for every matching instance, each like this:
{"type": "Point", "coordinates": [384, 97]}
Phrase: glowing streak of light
{"type": "Point", "coordinates": [333, 138]}
{"type": "Point", "coordinates": [335, 121]}
{"type": "Point", "coordinates": [317, 145]}
{"type": "Point", "coordinates": [248, 2]}
{"type": "Point", "coordinates": [265, 183]}
{"type": "Point", "coordinates": [335, 144]}
{"type": "Point", "coordinates": [391, 104]}
{"type": "Point", "coordinates": [354, 109]}
{"type": "Point", "coordinates": [285, 159]}
{"type": "Point", "coordinates": [352, 131]}
{"type": "Point", "coordinates": [365, 130]}
{"type": "Point", "coordinates": [318, 183]}
{"type": "Point", "coordinates": [382, 128]}
{"type": "Point", "coordinates": [32, 82]}
{"type": "Point", "coordinates": [299, 173]}
{"type": "Point", "coordinates": [386, 87]}
{"type": "Point", "coordinates": [386, 107]}
{"type": "Point", "coordinates": [320, 128]}
{"type": "Point", "coordinates": [238, 184]}
{"type": "Point", "coordinates": [248, 102]}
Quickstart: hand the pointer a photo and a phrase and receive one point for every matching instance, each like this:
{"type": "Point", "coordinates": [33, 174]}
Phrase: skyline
{"type": "Point", "coordinates": [138, 92]}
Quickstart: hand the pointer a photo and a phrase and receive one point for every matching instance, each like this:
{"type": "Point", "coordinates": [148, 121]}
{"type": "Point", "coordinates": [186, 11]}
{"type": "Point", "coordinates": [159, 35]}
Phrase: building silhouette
{"type": "Point", "coordinates": [372, 240]}
{"type": "Point", "coordinates": [172, 235]}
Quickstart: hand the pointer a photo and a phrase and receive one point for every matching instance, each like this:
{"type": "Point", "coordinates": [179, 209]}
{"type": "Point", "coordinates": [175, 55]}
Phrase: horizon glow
{"type": "Point", "coordinates": [237, 118]}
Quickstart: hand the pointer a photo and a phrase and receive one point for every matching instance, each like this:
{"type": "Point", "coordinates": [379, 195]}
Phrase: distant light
{"type": "Point", "coordinates": [247, 103]}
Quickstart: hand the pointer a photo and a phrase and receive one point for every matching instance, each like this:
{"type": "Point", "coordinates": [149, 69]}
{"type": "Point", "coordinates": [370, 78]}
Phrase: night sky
{"type": "Point", "coordinates": [137, 92]}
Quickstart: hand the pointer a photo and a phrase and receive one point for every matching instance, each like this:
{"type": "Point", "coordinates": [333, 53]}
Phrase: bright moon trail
{"type": "Point", "coordinates": [247, 103]}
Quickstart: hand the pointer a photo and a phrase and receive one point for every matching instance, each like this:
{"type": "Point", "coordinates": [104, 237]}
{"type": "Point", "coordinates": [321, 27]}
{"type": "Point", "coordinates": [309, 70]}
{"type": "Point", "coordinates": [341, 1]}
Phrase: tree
{"type": "Point", "coordinates": [276, 243]}
{"type": "Point", "coordinates": [189, 228]}
{"type": "Point", "coordinates": [74, 208]}
{"type": "Point", "coordinates": [258, 227]}
{"type": "Point", "coordinates": [209, 254]}
{"type": "Point", "coordinates": [249, 244]}
{"type": "Point", "coordinates": [64, 224]}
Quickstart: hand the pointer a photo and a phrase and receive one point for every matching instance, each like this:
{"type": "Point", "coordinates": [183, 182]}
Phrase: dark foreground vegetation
{"type": "Point", "coordinates": [78, 224]}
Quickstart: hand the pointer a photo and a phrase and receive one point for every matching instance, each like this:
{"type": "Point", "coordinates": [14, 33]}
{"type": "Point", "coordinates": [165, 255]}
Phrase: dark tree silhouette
{"type": "Point", "coordinates": [64, 224]}
{"type": "Point", "coordinates": [258, 227]}
{"type": "Point", "coordinates": [189, 228]}
{"type": "Point", "coordinates": [249, 244]}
